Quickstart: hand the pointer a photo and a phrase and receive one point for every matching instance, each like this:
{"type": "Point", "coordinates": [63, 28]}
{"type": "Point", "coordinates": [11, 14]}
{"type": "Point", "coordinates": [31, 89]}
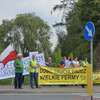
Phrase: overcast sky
{"type": "Point", "coordinates": [42, 8]}
{"type": "Point", "coordinates": [10, 8]}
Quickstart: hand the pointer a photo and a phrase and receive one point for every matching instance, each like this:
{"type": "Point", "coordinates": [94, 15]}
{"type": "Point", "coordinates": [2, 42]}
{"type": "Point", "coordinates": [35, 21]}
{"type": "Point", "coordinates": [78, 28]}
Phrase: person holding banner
{"type": "Point", "coordinates": [76, 62]}
{"type": "Point", "coordinates": [62, 63]}
{"type": "Point", "coordinates": [67, 62]}
{"type": "Point", "coordinates": [18, 64]}
{"type": "Point", "coordinates": [33, 70]}
{"type": "Point", "coordinates": [49, 62]}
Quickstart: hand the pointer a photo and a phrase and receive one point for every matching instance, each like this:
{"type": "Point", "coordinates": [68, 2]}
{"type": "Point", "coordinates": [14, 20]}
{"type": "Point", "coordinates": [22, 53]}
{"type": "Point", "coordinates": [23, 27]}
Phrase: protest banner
{"type": "Point", "coordinates": [40, 59]}
{"type": "Point", "coordinates": [96, 77]}
{"type": "Point", "coordinates": [32, 53]}
{"type": "Point", "coordinates": [8, 71]}
{"type": "Point", "coordinates": [55, 76]}
{"type": "Point", "coordinates": [50, 75]}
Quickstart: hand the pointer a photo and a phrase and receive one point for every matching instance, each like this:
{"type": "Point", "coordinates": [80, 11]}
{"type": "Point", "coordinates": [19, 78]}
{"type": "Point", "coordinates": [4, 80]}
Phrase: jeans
{"type": "Point", "coordinates": [18, 80]}
{"type": "Point", "coordinates": [34, 79]}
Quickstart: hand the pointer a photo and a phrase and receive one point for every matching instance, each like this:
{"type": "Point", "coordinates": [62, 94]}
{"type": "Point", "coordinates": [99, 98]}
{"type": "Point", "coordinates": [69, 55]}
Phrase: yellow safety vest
{"type": "Point", "coordinates": [32, 66]}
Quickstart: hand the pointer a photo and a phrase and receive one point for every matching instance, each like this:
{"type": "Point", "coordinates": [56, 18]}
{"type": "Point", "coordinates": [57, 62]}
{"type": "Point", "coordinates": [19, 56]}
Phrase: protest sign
{"type": "Point", "coordinates": [55, 76]}
{"type": "Point", "coordinates": [8, 71]}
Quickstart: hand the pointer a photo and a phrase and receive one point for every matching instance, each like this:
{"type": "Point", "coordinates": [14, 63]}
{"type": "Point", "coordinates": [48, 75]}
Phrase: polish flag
{"type": "Point", "coordinates": [8, 54]}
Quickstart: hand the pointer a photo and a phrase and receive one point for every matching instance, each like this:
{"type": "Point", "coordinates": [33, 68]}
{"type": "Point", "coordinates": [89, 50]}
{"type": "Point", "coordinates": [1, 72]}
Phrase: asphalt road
{"type": "Point", "coordinates": [48, 93]}
{"type": "Point", "coordinates": [43, 97]}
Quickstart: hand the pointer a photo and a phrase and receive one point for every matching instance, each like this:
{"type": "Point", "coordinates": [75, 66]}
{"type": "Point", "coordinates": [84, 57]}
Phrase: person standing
{"type": "Point", "coordinates": [62, 63]}
{"type": "Point", "coordinates": [18, 64]}
{"type": "Point", "coordinates": [33, 70]}
{"type": "Point", "coordinates": [49, 62]}
{"type": "Point", "coordinates": [68, 62]}
{"type": "Point", "coordinates": [76, 62]}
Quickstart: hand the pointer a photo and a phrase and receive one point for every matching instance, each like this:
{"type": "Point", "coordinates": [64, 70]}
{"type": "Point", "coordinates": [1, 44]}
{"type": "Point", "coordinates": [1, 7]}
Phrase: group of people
{"type": "Point", "coordinates": [69, 62]}
{"type": "Point", "coordinates": [66, 62]}
{"type": "Point", "coordinates": [33, 70]}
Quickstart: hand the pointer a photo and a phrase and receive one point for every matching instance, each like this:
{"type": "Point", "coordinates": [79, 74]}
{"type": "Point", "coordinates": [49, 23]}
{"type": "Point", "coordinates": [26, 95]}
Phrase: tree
{"type": "Point", "coordinates": [81, 12]}
{"type": "Point", "coordinates": [57, 56]}
{"type": "Point", "coordinates": [35, 32]}
{"type": "Point", "coordinates": [65, 7]}
{"type": "Point", "coordinates": [27, 32]}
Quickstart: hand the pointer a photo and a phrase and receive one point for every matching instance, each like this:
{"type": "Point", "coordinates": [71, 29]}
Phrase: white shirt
{"type": "Point", "coordinates": [75, 62]}
{"type": "Point", "coordinates": [67, 64]}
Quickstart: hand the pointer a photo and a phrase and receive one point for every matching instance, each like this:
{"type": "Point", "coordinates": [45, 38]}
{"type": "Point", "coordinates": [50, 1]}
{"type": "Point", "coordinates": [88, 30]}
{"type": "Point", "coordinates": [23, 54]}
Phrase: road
{"type": "Point", "coordinates": [44, 97]}
{"type": "Point", "coordinates": [48, 93]}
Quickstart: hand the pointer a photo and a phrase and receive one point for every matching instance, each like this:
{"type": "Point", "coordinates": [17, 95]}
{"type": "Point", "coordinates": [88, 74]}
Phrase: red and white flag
{"type": "Point", "coordinates": [8, 54]}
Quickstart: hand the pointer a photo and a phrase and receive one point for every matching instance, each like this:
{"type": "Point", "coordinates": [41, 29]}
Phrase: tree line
{"type": "Point", "coordinates": [27, 32]}
{"type": "Point", "coordinates": [79, 13]}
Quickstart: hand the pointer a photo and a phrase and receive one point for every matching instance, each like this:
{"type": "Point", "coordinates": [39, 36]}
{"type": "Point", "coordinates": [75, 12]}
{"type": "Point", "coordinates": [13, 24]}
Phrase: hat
{"type": "Point", "coordinates": [19, 54]}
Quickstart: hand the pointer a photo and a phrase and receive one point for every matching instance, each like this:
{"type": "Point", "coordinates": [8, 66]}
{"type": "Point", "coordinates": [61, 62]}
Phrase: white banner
{"type": "Point", "coordinates": [8, 71]}
{"type": "Point", "coordinates": [40, 59]}
{"type": "Point", "coordinates": [33, 53]}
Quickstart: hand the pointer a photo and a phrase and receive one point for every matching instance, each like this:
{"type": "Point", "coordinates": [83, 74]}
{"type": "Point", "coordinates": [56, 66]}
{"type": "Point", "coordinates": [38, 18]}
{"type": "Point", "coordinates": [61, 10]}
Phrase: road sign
{"type": "Point", "coordinates": [89, 31]}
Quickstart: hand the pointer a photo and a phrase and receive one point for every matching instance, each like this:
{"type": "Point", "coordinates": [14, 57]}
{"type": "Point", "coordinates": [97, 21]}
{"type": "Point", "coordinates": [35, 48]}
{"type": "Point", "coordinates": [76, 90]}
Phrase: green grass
{"type": "Point", "coordinates": [9, 81]}
{"type": "Point", "coordinates": [6, 82]}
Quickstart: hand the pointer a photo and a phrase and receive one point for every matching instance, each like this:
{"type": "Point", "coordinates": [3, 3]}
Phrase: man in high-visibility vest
{"type": "Point", "coordinates": [33, 69]}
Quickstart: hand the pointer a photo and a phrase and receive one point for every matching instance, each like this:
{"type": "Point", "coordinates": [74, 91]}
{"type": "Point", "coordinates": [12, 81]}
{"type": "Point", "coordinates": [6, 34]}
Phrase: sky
{"type": "Point", "coordinates": [42, 8]}
{"type": "Point", "coordinates": [10, 8]}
